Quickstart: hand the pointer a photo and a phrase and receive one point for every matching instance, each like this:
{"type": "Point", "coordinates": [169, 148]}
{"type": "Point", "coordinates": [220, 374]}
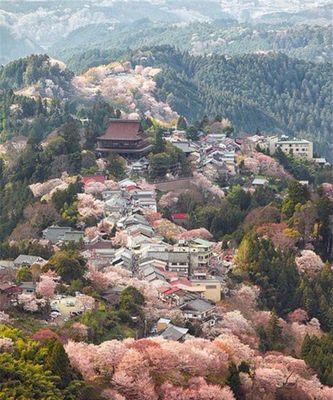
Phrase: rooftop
{"type": "Point", "coordinates": [122, 129]}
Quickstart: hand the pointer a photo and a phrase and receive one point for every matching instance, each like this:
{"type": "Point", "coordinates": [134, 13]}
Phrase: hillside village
{"type": "Point", "coordinates": [151, 245]}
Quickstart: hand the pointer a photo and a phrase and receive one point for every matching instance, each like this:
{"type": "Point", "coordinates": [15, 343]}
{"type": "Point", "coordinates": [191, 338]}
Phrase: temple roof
{"type": "Point", "coordinates": [122, 129]}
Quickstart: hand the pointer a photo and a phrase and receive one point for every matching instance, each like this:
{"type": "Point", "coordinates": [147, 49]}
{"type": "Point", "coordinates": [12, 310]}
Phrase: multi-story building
{"type": "Point", "coordinates": [211, 288]}
{"type": "Point", "coordinates": [124, 137]}
{"type": "Point", "coordinates": [295, 147]}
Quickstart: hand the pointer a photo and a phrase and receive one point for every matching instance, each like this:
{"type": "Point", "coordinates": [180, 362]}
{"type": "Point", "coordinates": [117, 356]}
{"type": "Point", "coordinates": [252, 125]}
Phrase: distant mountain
{"type": "Point", "coordinates": [13, 45]}
{"type": "Point", "coordinates": [313, 43]}
{"type": "Point", "coordinates": [57, 25]}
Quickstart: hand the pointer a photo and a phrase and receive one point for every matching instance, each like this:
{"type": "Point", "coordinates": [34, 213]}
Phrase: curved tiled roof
{"type": "Point", "coordinates": [123, 129]}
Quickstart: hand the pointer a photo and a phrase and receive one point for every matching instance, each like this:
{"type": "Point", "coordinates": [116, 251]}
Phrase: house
{"type": "Point", "coordinates": [296, 147]}
{"type": "Point", "coordinates": [7, 264]}
{"type": "Point", "coordinates": [9, 289]}
{"type": "Point", "coordinates": [140, 229]}
{"type": "Point", "coordinates": [146, 204]}
{"type": "Point", "coordinates": [161, 265]}
{"type": "Point", "coordinates": [179, 218]}
{"type": "Point", "coordinates": [211, 288]}
{"type": "Point", "coordinates": [57, 233]}
{"type": "Point", "coordinates": [108, 194]}
{"type": "Point", "coordinates": [28, 287]}
{"type": "Point", "coordinates": [198, 309]}
{"type": "Point", "coordinates": [115, 204]}
{"type": "Point", "coordinates": [112, 294]}
{"type": "Point", "coordinates": [321, 161]}
{"type": "Point", "coordinates": [175, 295]}
{"type": "Point", "coordinates": [179, 261]}
{"type": "Point", "coordinates": [8, 292]}
{"type": "Point", "coordinates": [185, 146]}
{"type": "Point", "coordinates": [167, 330]}
{"type": "Point", "coordinates": [173, 332]}
{"type": "Point", "coordinates": [123, 257]}
{"type": "Point", "coordinates": [140, 166]}
{"type": "Point", "coordinates": [86, 180]}
{"type": "Point", "coordinates": [259, 182]}
{"type": "Point", "coordinates": [156, 250]}
{"type": "Point", "coordinates": [124, 137]}
{"type": "Point", "coordinates": [204, 249]}
{"type": "Point", "coordinates": [152, 274]}
{"type": "Point", "coordinates": [162, 324]}
{"type": "Point", "coordinates": [27, 261]}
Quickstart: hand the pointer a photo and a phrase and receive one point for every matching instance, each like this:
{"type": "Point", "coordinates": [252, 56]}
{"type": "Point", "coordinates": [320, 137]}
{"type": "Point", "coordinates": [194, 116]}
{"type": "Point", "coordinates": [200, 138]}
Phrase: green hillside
{"type": "Point", "coordinates": [256, 92]}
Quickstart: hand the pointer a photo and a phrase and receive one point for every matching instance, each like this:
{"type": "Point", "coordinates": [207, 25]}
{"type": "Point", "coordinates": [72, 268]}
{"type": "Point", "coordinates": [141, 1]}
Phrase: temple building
{"type": "Point", "coordinates": [123, 136]}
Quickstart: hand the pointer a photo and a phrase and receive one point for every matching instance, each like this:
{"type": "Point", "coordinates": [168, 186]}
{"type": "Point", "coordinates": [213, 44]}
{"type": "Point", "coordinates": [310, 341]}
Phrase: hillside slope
{"type": "Point", "coordinates": [227, 36]}
{"type": "Point", "coordinates": [266, 92]}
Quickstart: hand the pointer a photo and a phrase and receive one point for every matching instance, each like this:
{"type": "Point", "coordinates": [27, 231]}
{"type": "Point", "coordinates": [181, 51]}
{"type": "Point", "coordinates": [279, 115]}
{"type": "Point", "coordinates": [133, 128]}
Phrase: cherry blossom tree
{"type": "Point", "coordinates": [88, 206]}
{"type": "Point", "coordinates": [205, 185]}
{"type": "Point", "coordinates": [79, 330]}
{"type": "Point", "coordinates": [298, 315]}
{"type": "Point", "coordinates": [120, 239]}
{"type": "Point", "coordinates": [6, 345]}
{"type": "Point", "coordinates": [46, 286]}
{"type": "Point", "coordinates": [197, 389]}
{"type": "Point", "coordinates": [85, 302]}
{"type": "Point", "coordinates": [29, 302]}
{"type": "Point", "coordinates": [168, 200]}
{"type": "Point", "coordinates": [4, 318]}
{"type": "Point", "coordinates": [309, 262]}
{"type": "Point", "coordinates": [44, 334]}
{"type": "Point", "coordinates": [201, 233]}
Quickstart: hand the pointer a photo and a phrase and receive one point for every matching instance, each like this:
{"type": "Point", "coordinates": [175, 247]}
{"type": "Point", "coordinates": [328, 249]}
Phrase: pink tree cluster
{"type": "Point", "coordinates": [30, 303]}
{"type": "Point", "coordinates": [84, 302]}
{"type": "Point", "coordinates": [79, 331]}
{"type": "Point", "coordinates": [4, 318]}
{"type": "Point", "coordinates": [236, 323]}
{"type": "Point", "coordinates": [276, 375]}
{"type": "Point", "coordinates": [88, 206]}
{"type": "Point", "coordinates": [252, 165]}
{"type": "Point", "coordinates": [152, 216]}
{"type": "Point", "coordinates": [206, 186]}
{"type": "Point", "coordinates": [155, 368]}
{"type": "Point", "coordinates": [120, 239]}
{"type": "Point", "coordinates": [167, 229]}
{"type": "Point", "coordinates": [197, 389]}
{"type": "Point", "coordinates": [298, 331]}
{"type": "Point", "coordinates": [46, 285]}
{"type": "Point", "coordinates": [309, 262]}
{"type": "Point", "coordinates": [298, 315]}
{"type": "Point", "coordinates": [94, 187]}
{"type": "Point", "coordinates": [6, 345]}
{"type": "Point", "coordinates": [168, 200]}
{"type": "Point", "coordinates": [201, 233]}
{"type": "Point", "coordinates": [280, 234]}
{"type": "Point", "coordinates": [150, 369]}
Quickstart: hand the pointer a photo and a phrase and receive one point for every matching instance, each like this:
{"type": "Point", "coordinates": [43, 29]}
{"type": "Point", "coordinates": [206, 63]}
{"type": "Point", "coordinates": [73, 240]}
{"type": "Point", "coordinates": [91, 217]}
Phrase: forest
{"type": "Point", "coordinates": [266, 93]}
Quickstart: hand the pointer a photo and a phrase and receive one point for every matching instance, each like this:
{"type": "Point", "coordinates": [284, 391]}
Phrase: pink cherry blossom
{"type": "Point", "coordinates": [309, 262]}
{"type": "Point", "coordinates": [46, 286]}
{"type": "Point", "coordinates": [6, 345]}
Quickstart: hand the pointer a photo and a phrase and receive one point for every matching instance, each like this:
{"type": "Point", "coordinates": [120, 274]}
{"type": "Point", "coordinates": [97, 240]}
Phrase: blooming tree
{"type": "Point", "coordinates": [46, 286]}
{"type": "Point", "coordinates": [88, 206]}
{"type": "Point", "coordinates": [6, 345]}
{"type": "Point", "coordinates": [4, 318]}
{"type": "Point", "coordinates": [309, 262]}
{"type": "Point", "coordinates": [29, 302]}
{"type": "Point", "coordinates": [85, 302]}
{"type": "Point", "coordinates": [206, 186]}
